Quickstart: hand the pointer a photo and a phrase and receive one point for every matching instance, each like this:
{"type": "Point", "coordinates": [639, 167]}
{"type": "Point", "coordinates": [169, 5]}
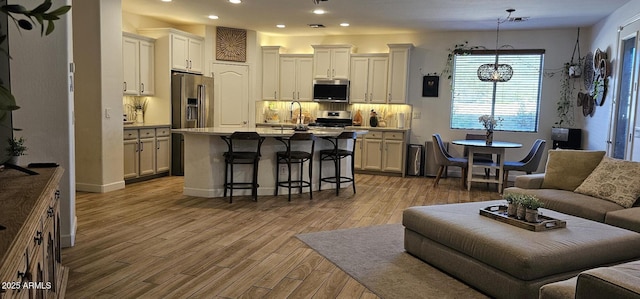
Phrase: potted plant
{"type": "Point", "coordinates": [513, 200]}
{"type": "Point", "coordinates": [532, 204]}
{"type": "Point", "coordinates": [15, 149]}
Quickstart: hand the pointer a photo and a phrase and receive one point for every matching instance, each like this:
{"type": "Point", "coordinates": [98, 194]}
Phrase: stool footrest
{"type": "Point", "coordinates": [335, 179]}
{"type": "Point", "coordinates": [241, 185]}
{"type": "Point", "coordinates": [294, 184]}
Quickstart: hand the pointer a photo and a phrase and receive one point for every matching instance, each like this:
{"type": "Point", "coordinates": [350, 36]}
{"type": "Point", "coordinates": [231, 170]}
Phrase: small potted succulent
{"type": "Point", "coordinates": [532, 204]}
{"type": "Point", "coordinates": [513, 200]}
{"type": "Point", "coordinates": [15, 149]}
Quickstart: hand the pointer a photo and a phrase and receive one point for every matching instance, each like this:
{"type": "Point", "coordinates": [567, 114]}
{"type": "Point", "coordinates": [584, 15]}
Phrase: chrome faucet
{"type": "Point", "coordinates": [300, 126]}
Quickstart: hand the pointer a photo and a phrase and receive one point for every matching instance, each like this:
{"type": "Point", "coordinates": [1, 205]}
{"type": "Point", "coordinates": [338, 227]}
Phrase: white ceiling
{"type": "Point", "coordinates": [377, 16]}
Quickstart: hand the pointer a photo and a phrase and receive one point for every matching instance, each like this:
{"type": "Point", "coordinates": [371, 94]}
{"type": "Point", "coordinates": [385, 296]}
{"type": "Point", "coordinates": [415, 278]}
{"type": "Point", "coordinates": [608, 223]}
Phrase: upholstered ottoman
{"type": "Point", "coordinates": [505, 261]}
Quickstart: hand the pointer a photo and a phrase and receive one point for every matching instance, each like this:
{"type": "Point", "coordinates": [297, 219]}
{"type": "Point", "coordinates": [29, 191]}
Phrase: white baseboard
{"type": "Point", "coordinates": [70, 239]}
{"type": "Point", "coordinates": [99, 188]}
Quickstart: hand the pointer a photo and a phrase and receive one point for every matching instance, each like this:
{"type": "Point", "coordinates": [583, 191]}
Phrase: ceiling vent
{"type": "Point", "coordinates": [316, 26]}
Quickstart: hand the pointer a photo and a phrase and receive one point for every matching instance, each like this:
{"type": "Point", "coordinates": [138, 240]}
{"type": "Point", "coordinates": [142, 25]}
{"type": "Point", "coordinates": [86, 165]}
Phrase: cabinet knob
{"type": "Point", "coordinates": [50, 212]}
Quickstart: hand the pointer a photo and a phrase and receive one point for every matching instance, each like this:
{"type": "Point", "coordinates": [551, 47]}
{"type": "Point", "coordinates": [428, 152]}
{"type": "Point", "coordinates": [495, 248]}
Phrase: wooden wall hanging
{"type": "Point", "coordinates": [231, 44]}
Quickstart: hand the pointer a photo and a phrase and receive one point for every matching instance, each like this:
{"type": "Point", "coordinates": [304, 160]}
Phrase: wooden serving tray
{"type": "Point", "coordinates": [499, 213]}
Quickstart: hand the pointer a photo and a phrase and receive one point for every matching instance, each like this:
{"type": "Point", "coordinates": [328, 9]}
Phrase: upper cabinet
{"type": "Point", "coordinates": [331, 61]}
{"type": "Point", "coordinates": [368, 76]}
{"type": "Point", "coordinates": [270, 72]}
{"type": "Point", "coordinates": [296, 82]}
{"type": "Point", "coordinates": [398, 79]}
{"type": "Point", "coordinates": [138, 64]}
{"type": "Point", "coordinates": [187, 53]}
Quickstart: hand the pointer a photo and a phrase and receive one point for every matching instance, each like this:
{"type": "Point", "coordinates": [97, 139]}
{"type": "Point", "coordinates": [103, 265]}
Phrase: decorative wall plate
{"type": "Point", "coordinates": [588, 72]}
{"type": "Point", "coordinates": [231, 44]}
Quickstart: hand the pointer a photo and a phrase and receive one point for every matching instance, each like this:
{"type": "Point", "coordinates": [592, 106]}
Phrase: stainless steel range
{"type": "Point", "coordinates": [338, 119]}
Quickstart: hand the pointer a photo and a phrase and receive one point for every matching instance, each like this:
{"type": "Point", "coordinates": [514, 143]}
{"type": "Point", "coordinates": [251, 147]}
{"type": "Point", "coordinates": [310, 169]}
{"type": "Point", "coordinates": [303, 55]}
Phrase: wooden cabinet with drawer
{"type": "Point", "coordinates": [381, 151]}
{"type": "Point", "coordinates": [30, 263]}
{"type": "Point", "coordinates": [146, 152]}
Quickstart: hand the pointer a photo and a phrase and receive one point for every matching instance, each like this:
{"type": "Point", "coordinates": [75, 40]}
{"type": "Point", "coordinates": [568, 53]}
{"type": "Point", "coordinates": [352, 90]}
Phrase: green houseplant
{"type": "Point", "coordinates": [15, 149]}
{"type": "Point", "coordinates": [531, 203]}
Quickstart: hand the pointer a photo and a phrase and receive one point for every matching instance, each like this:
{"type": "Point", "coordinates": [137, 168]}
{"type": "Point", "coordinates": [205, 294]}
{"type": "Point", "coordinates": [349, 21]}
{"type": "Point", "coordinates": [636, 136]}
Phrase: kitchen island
{"type": "Point", "coordinates": [204, 162]}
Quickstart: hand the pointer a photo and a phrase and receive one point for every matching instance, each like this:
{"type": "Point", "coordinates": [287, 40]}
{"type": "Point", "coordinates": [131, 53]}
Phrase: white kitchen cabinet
{"type": "Point", "coordinates": [187, 53]}
{"type": "Point", "coordinates": [357, 155]}
{"type": "Point", "coordinates": [382, 151]}
{"type": "Point", "coordinates": [296, 82]}
{"type": "Point", "coordinates": [138, 64]}
{"type": "Point", "coordinates": [398, 78]}
{"type": "Point", "coordinates": [368, 78]}
{"type": "Point", "coordinates": [331, 61]}
{"type": "Point", "coordinates": [372, 159]}
{"type": "Point", "coordinates": [270, 72]}
{"type": "Point", "coordinates": [146, 152]}
{"type": "Point", "coordinates": [163, 148]}
{"type": "Point", "coordinates": [393, 152]}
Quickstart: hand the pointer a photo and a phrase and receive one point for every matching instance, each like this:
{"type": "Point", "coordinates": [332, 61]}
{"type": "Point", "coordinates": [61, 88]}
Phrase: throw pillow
{"type": "Point", "coordinates": [614, 180]}
{"type": "Point", "coordinates": [566, 169]}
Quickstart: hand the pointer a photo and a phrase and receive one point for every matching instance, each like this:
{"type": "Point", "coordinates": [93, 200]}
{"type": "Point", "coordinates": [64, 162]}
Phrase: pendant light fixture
{"type": "Point", "coordinates": [496, 72]}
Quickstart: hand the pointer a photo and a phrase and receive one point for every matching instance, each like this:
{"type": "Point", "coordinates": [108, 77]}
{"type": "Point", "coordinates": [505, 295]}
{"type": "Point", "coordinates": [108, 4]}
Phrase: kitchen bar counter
{"type": "Point", "coordinates": [145, 125]}
{"type": "Point", "coordinates": [204, 163]}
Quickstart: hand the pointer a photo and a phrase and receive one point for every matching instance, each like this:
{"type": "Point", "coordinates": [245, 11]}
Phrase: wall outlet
{"type": "Point", "coordinates": [283, 169]}
{"type": "Point", "coordinates": [417, 115]}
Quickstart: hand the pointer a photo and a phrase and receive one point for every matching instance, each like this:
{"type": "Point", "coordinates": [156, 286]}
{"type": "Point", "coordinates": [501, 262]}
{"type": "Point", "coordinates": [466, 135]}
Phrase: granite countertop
{"type": "Point", "coordinates": [290, 125]}
{"type": "Point", "coordinates": [145, 125]}
{"type": "Point", "coordinates": [269, 132]}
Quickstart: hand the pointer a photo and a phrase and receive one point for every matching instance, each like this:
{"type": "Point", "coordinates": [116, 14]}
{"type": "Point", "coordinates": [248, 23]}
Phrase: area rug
{"type": "Point", "coordinates": [375, 257]}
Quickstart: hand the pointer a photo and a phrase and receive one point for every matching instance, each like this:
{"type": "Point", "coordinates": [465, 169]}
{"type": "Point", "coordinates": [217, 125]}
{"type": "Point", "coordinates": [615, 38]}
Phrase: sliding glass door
{"type": "Point", "coordinates": [626, 122]}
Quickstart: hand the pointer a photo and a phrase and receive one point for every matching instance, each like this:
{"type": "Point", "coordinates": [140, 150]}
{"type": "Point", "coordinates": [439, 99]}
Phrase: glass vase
{"type": "Point", "coordinates": [489, 137]}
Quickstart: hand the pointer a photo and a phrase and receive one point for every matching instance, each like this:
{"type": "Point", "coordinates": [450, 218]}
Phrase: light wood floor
{"type": "Point", "coordinates": [151, 241]}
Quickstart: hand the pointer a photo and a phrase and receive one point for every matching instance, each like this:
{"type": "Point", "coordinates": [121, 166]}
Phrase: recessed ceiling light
{"type": "Point", "coordinates": [166, 0]}
{"type": "Point", "coordinates": [319, 11]}
{"type": "Point", "coordinates": [281, 26]}
{"type": "Point", "coordinates": [235, 1]}
{"type": "Point", "coordinates": [213, 17]}
{"type": "Point", "coordinates": [344, 24]}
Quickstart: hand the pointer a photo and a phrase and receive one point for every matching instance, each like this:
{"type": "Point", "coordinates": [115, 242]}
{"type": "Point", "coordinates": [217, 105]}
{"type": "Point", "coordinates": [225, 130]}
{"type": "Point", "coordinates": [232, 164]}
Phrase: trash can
{"type": "Point", "coordinates": [415, 160]}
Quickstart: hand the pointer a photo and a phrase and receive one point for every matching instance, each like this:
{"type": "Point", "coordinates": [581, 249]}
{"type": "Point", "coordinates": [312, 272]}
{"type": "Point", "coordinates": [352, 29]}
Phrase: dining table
{"type": "Point", "coordinates": [497, 148]}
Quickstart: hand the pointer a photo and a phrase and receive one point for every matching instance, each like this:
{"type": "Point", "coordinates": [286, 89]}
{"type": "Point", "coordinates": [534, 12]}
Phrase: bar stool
{"type": "Point", "coordinates": [336, 154]}
{"type": "Point", "coordinates": [233, 156]}
{"type": "Point", "coordinates": [291, 156]}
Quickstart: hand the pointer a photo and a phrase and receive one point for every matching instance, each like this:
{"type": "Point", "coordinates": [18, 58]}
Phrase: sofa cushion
{"type": "Point", "coordinates": [563, 289]}
{"type": "Point", "coordinates": [620, 281]}
{"type": "Point", "coordinates": [614, 180]}
{"type": "Point", "coordinates": [625, 218]}
{"type": "Point", "coordinates": [571, 203]}
{"type": "Point", "coordinates": [566, 169]}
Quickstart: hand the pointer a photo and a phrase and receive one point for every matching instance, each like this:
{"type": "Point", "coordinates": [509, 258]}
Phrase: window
{"type": "Point", "coordinates": [516, 101]}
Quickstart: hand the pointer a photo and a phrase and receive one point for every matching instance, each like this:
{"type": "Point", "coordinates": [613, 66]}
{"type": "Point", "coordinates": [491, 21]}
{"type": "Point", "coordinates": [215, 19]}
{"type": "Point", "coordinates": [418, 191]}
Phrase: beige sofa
{"type": "Point", "coordinates": [589, 185]}
{"type": "Point", "coordinates": [575, 183]}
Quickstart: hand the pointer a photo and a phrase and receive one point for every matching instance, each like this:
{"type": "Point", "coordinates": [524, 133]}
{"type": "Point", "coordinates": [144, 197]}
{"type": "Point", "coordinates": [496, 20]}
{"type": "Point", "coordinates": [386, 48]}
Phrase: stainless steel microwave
{"type": "Point", "coordinates": [336, 91]}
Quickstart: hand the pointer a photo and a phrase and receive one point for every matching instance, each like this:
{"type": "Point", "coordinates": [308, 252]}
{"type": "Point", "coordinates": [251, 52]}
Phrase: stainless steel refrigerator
{"type": "Point", "coordinates": [191, 107]}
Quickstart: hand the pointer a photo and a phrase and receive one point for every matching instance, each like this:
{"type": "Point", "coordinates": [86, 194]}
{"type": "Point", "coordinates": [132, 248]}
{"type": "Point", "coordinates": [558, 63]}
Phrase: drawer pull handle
{"type": "Point", "coordinates": [38, 238]}
{"type": "Point", "coordinates": [50, 212]}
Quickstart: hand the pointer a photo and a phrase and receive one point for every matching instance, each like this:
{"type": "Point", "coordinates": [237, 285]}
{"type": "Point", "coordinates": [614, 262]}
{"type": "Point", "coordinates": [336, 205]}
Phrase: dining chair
{"type": "Point", "coordinates": [444, 159]}
{"type": "Point", "coordinates": [480, 159]}
{"type": "Point", "coordinates": [528, 164]}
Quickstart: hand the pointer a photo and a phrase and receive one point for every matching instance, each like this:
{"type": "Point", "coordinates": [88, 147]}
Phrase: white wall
{"type": "Point", "coordinates": [98, 44]}
{"type": "Point", "coordinates": [605, 37]}
{"type": "Point", "coordinates": [40, 81]}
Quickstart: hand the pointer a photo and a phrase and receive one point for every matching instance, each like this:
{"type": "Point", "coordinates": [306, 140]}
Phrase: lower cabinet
{"type": "Point", "coordinates": [146, 152]}
{"type": "Point", "coordinates": [33, 267]}
{"type": "Point", "coordinates": [381, 151]}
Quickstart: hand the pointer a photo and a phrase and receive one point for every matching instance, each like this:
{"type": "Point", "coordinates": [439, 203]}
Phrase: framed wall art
{"type": "Point", "coordinates": [430, 86]}
{"type": "Point", "coordinates": [231, 44]}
